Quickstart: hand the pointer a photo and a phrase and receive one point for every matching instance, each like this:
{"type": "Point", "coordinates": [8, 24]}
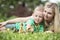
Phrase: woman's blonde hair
{"type": "Point", "coordinates": [56, 20]}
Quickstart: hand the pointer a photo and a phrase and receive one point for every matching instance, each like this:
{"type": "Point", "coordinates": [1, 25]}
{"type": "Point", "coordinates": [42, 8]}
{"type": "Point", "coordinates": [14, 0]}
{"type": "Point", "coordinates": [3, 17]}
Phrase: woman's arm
{"type": "Point", "coordinates": [20, 19]}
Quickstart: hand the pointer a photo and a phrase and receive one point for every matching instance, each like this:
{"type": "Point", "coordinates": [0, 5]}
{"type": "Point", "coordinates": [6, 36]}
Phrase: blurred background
{"type": "Point", "coordinates": [10, 9]}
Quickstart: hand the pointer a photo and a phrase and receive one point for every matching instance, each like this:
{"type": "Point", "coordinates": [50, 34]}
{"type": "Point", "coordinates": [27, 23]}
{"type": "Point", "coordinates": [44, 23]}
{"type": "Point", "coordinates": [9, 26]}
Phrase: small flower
{"type": "Point", "coordinates": [19, 2]}
{"type": "Point", "coordinates": [2, 5]}
{"type": "Point", "coordinates": [11, 6]}
{"type": "Point", "coordinates": [43, 0]}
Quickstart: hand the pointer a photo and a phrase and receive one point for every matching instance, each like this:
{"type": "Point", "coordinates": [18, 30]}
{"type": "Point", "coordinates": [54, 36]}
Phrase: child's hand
{"type": "Point", "coordinates": [30, 30]}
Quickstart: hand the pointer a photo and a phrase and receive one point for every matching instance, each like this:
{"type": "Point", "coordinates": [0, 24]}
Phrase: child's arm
{"type": "Point", "coordinates": [29, 25]}
{"type": "Point", "coordinates": [42, 29]}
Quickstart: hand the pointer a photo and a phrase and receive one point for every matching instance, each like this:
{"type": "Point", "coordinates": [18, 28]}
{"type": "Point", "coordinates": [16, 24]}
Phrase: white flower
{"type": "Point", "coordinates": [2, 5]}
{"type": "Point", "coordinates": [11, 6]}
{"type": "Point", "coordinates": [26, 4]}
{"type": "Point", "coordinates": [43, 0]}
{"type": "Point", "coordinates": [19, 2]}
{"type": "Point", "coordinates": [30, 9]}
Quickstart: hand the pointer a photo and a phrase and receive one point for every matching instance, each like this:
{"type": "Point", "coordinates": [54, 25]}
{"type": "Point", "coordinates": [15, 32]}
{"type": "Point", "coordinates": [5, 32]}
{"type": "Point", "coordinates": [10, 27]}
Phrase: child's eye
{"type": "Point", "coordinates": [40, 17]}
{"type": "Point", "coordinates": [45, 11]}
{"type": "Point", "coordinates": [35, 15]}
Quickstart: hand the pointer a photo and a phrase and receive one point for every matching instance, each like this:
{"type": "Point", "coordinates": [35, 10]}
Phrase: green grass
{"type": "Point", "coordinates": [29, 36]}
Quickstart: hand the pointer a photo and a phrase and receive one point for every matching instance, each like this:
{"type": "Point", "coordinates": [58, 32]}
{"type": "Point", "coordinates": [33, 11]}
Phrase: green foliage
{"type": "Point", "coordinates": [11, 17]}
{"type": "Point", "coordinates": [24, 36]}
{"type": "Point", "coordinates": [4, 18]}
{"type": "Point", "coordinates": [7, 5]}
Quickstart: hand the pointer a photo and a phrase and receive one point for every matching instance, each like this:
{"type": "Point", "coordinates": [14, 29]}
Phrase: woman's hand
{"type": "Point", "coordinates": [3, 24]}
{"type": "Point", "coordinates": [48, 32]}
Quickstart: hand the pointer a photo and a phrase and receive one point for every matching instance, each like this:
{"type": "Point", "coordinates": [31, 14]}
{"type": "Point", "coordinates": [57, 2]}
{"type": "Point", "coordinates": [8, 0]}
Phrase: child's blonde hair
{"type": "Point", "coordinates": [39, 8]}
{"type": "Point", "coordinates": [55, 9]}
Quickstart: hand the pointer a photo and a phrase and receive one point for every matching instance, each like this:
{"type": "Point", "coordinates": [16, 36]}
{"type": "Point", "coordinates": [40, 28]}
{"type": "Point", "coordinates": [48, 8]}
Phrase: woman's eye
{"type": "Point", "coordinates": [49, 13]}
{"type": "Point", "coordinates": [39, 16]}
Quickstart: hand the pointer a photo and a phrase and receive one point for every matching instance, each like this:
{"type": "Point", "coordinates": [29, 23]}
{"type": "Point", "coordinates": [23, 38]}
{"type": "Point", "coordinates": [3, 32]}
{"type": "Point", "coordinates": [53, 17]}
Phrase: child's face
{"type": "Point", "coordinates": [38, 16]}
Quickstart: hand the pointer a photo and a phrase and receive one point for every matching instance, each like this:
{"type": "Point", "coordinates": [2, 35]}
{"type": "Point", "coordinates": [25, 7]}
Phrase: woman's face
{"type": "Point", "coordinates": [48, 14]}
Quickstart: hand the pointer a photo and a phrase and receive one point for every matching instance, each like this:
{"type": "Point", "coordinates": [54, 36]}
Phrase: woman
{"type": "Point", "coordinates": [51, 17]}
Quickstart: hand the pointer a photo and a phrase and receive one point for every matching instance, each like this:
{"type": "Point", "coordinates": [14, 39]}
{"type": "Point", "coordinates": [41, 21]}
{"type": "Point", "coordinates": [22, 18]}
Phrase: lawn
{"type": "Point", "coordinates": [9, 35]}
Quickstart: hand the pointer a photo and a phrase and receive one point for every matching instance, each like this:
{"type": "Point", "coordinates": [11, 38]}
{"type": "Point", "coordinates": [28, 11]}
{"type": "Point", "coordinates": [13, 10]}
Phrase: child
{"type": "Point", "coordinates": [34, 24]}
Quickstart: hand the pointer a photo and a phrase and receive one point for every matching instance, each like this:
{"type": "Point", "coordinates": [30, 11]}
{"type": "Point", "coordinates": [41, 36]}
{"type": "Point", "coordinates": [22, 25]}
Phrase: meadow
{"type": "Point", "coordinates": [9, 35]}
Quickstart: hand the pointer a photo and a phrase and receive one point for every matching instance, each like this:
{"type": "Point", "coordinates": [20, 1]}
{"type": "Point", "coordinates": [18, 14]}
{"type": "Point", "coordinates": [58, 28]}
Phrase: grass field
{"type": "Point", "coordinates": [8, 35]}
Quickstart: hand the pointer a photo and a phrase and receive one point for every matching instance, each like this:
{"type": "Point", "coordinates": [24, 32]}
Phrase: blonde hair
{"type": "Point", "coordinates": [39, 8]}
{"type": "Point", "coordinates": [55, 8]}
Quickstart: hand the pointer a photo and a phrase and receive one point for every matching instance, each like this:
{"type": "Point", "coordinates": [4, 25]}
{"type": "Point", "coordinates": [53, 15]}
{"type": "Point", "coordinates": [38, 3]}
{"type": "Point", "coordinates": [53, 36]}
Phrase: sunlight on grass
{"type": "Point", "coordinates": [29, 36]}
